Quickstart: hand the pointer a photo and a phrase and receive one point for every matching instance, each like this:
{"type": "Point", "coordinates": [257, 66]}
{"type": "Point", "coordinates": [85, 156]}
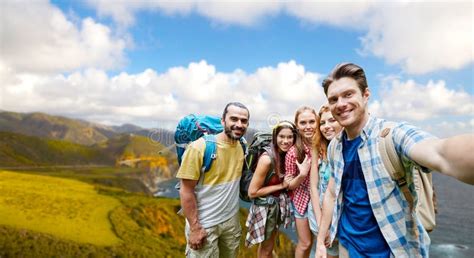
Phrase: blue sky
{"type": "Point", "coordinates": [150, 63]}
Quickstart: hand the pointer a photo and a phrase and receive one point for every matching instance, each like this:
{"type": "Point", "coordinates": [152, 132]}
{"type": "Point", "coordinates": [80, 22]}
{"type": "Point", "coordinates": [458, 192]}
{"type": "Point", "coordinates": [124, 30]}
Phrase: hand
{"type": "Point", "coordinates": [320, 251]}
{"type": "Point", "coordinates": [304, 166]}
{"type": "Point", "coordinates": [285, 184]}
{"type": "Point", "coordinates": [327, 240]}
{"type": "Point", "coordinates": [288, 179]}
{"type": "Point", "coordinates": [197, 238]}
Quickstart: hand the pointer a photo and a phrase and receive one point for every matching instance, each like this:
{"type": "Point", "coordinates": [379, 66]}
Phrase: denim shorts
{"type": "Point", "coordinates": [297, 214]}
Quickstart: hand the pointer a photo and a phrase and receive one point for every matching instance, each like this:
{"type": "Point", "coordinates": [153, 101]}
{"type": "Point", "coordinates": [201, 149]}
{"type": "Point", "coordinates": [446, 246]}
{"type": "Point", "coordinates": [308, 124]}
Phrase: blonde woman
{"type": "Point", "coordinates": [328, 129]}
{"type": "Point", "coordinates": [297, 164]}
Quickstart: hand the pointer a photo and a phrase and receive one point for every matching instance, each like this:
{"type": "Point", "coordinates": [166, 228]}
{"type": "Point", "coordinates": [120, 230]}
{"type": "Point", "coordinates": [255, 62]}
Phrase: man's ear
{"type": "Point", "coordinates": [366, 95]}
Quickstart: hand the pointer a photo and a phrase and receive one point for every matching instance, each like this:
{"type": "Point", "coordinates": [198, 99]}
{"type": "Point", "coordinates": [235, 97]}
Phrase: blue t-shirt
{"type": "Point", "coordinates": [358, 230]}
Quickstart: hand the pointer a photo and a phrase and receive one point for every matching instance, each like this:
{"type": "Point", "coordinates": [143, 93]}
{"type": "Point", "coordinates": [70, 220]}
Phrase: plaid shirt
{"type": "Point", "coordinates": [257, 219]}
{"type": "Point", "coordinates": [300, 195]}
{"type": "Point", "coordinates": [388, 204]}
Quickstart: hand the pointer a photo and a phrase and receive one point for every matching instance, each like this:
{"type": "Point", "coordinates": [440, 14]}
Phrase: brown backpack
{"type": "Point", "coordinates": [426, 205]}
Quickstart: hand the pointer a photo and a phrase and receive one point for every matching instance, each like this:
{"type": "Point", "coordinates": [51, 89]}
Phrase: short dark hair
{"type": "Point", "coordinates": [346, 70]}
{"type": "Point", "coordinates": [237, 104]}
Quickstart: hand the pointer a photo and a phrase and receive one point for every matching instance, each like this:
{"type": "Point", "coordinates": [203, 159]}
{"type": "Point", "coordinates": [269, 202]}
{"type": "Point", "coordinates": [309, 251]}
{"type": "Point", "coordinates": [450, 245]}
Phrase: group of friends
{"type": "Point", "coordinates": [325, 172]}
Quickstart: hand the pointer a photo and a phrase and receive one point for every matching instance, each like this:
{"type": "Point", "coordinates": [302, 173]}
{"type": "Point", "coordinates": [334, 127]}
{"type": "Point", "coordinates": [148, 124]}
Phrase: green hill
{"type": "Point", "coordinates": [22, 150]}
{"type": "Point", "coordinates": [62, 128]}
{"type": "Point", "coordinates": [133, 145]}
{"type": "Point", "coordinates": [44, 216]}
{"type": "Point", "coordinates": [52, 127]}
{"type": "Point", "coordinates": [141, 152]}
{"type": "Point", "coordinates": [49, 205]}
{"type": "Point", "coordinates": [58, 217]}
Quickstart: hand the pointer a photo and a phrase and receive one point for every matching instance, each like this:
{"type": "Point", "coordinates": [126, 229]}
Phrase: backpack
{"type": "Point", "coordinates": [192, 127]}
{"type": "Point", "coordinates": [426, 204]}
{"type": "Point", "coordinates": [261, 143]}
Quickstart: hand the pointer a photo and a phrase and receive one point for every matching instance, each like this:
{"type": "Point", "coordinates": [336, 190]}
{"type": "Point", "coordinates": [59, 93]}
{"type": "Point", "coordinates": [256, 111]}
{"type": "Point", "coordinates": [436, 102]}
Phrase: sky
{"type": "Point", "coordinates": [152, 62]}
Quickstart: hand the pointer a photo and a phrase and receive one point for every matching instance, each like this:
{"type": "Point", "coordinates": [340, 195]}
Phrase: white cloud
{"type": "Point", "coordinates": [338, 13]}
{"type": "Point", "coordinates": [148, 96]}
{"type": "Point", "coordinates": [421, 36]}
{"type": "Point", "coordinates": [39, 42]}
{"type": "Point", "coordinates": [279, 91]}
{"type": "Point", "coordinates": [123, 11]}
{"type": "Point", "coordinates": [38, 37]}
{"type": "Point", "coordinates": [415, 102]}
{"type": "Point", "coordinates": [433, 106]}
{"type": "Point", "coordinates": [244, 13]}
{"type": "Point", "coordinates": [159, 99]}
{"type": "Point", "coordinates": [450, 128]}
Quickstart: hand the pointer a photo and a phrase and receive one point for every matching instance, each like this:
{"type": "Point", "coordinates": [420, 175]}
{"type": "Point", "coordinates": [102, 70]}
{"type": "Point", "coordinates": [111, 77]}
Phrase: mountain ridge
{"type": "Point", "coordinates": [64, 128]}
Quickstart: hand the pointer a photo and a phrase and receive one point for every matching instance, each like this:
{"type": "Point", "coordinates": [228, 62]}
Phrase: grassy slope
{"type": "Point", "coordinates": [122, 178]}
{"type": "Point", "coordinates": [66, 208]}
{"type": "Point", "coordinates": [147, 227]}
{"type": "Point", "coordinates": [132, 223]}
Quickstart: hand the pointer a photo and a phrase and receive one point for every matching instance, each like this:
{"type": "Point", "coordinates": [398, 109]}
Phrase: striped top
{"type": "Point", "coordinates": [217, 192]}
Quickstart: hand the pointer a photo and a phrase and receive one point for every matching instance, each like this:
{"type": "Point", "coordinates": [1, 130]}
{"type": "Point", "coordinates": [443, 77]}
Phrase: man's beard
{"type": "Point", "coordinates": [228, 132]}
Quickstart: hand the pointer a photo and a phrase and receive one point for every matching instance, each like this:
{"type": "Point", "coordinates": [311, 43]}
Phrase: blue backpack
{"type": "Point", "coordinates": [193, 127]}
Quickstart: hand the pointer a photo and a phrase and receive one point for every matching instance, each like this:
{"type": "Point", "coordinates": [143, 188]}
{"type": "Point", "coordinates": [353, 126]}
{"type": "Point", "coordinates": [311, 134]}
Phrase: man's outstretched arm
{"type": "Point", "coordinates": [452, 156]}
{"type": "Point", "coordinates": [197, 234]}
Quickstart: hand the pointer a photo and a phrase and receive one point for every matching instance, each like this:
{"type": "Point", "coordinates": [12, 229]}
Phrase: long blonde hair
{"type": "Point", "coordinates": [300, 154]}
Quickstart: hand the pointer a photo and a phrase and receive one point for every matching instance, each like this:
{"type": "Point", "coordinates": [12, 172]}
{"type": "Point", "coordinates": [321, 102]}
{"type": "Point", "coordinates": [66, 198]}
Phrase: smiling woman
{"type": "Point", "coordinates": [64, 208]}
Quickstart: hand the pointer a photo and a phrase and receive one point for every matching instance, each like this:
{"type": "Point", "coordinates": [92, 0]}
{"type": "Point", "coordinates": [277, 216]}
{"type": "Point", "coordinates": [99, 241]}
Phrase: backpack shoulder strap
{"type": "Point", "coordinates": [210, 153]}
{"type": "Point", "coordinates": [209, 156]}
{"type": "Point", "coordinates": [243, 143]}
{"type": "Point", "coordinates": [392, 162]}
{"type": "Point", "coordinates": [269, 175]}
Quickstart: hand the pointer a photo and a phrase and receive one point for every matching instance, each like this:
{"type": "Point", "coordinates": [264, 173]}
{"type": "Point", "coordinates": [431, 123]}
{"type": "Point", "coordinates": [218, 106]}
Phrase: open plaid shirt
{"type": "Point", "coordinates": [257, 219]}
{"type": "Point", "coordinates": [388, 204]}
{"type": "Point", "coordinates": [300, 195]}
